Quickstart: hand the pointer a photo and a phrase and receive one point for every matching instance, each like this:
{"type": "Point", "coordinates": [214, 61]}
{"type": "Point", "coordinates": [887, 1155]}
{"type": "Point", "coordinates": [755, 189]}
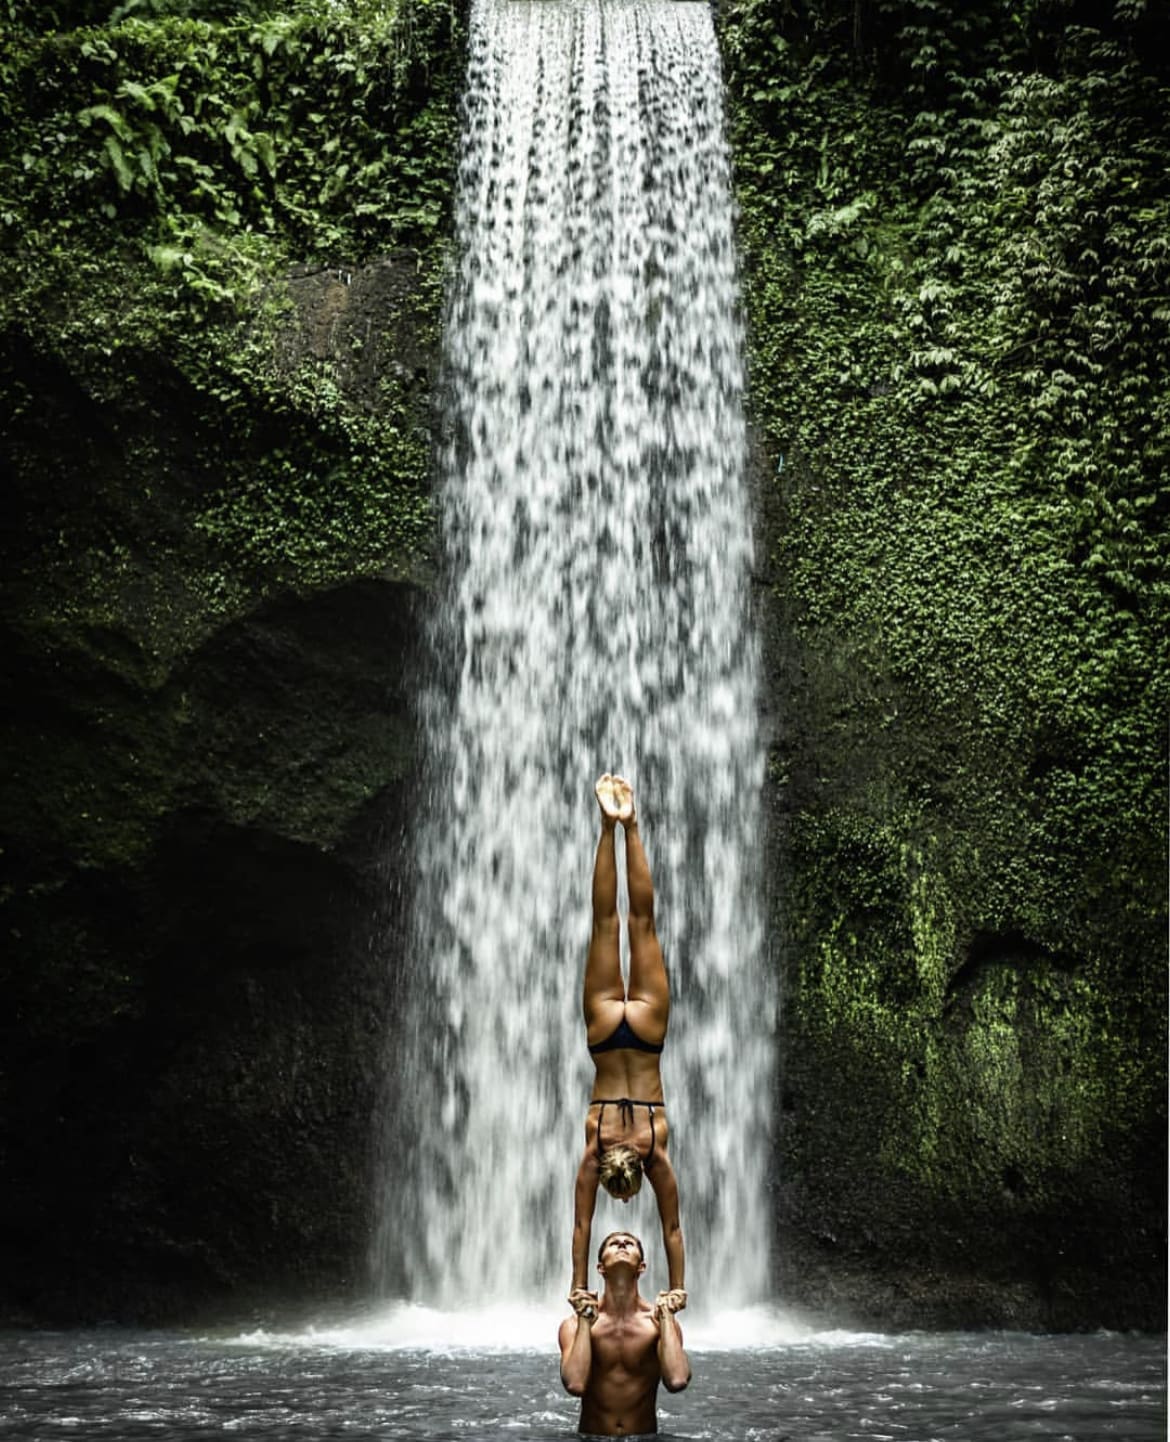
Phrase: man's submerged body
{"type": "Point", "coordinates": [624, 1379]}
{"type": "Point", "coordinates": [615, 1352]}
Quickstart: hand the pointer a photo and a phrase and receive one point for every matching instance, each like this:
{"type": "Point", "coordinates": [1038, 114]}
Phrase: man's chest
{"type": "Point", "coordinates": [628, 1346]}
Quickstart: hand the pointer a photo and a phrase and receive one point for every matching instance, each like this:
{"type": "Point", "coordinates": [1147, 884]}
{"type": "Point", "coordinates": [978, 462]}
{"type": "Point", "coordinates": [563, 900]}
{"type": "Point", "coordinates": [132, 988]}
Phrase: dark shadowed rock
{"type": "Point", "coordinates": [193, 1049]}
{"type": "Point", "coordinates": [199, 822]}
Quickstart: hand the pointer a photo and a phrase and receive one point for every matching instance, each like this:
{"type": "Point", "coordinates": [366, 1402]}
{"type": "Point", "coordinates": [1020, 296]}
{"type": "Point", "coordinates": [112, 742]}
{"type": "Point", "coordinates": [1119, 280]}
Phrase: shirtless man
{"type": "Point", "coordinates": [615, 1351]}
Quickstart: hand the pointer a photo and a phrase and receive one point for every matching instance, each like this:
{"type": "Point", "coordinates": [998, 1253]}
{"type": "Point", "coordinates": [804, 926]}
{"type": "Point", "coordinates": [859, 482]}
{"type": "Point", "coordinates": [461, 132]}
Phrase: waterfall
{"type": "Point", "coordinates": [595, 618]}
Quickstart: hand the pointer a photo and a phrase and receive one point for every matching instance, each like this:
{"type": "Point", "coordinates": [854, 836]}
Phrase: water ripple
{"type": "Point", "coordinates": [275, 1386]}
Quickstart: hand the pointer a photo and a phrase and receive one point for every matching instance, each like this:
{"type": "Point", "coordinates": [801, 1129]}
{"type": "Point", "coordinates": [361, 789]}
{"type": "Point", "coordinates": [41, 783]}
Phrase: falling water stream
{"type": "Point", "coordinates": [596, 617]}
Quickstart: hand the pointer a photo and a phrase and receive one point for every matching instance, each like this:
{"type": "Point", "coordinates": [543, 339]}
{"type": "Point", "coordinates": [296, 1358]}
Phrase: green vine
{"type": "Point", "coordinates": [959, 287]}
{"type": "Point", "coordinates": [954, 229]}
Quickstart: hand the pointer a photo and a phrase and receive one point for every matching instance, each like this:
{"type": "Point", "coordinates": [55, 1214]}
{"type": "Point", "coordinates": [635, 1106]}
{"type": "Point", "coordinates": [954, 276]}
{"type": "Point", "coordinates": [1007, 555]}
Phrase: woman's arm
{"type": "Point", "coordinates": [665, 1185]}
{"type": "Point", "coordinates": [584, 1202]}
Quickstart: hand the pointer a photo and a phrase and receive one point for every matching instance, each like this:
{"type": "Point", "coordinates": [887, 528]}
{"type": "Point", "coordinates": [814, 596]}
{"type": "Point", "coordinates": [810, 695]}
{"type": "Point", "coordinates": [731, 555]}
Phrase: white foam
{"type": "Point", "coordinates": [518, 1328]}
{"type": "Point", "coordinates": [407, 1326]}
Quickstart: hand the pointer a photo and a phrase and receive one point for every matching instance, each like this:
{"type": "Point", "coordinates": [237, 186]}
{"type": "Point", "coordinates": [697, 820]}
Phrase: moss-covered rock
{"type": "Point", "coordinates": [218, 380]}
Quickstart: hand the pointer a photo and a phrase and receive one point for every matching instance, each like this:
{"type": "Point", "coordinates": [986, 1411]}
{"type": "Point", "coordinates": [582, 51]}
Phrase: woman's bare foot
{"type": "Point", "coordinates": [607, 797]}
{"type": "Point", "coordinates": [623, 796]}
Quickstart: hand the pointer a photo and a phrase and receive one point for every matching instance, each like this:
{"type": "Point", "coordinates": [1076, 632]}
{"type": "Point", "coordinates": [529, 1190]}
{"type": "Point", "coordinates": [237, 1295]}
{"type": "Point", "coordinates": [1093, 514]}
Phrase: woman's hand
{"type": "Point", "coordinates": [584, 1303]}
{"type": "Point", "coordinates": [673, 1301]}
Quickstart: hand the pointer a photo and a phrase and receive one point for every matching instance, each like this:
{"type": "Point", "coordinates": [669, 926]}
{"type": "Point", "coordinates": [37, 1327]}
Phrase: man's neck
{"type": "Point", "coordinates": [621, 1294]}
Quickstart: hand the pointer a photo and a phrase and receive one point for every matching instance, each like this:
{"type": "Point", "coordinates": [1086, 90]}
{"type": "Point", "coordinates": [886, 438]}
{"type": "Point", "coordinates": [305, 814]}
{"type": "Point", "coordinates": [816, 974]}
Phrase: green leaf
{"type": "Point", "coordinates": [113, 118]}
{"type": "Point", "coordinates": [119, 164]}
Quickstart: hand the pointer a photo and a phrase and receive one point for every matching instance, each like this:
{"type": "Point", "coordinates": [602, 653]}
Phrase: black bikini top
{"type": "Point", "coordinates": [625, 1038]}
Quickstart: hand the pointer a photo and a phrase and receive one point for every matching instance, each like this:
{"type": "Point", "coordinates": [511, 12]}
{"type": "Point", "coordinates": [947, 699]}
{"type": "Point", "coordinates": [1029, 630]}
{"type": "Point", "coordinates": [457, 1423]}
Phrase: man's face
{"type": "Point", "coordinates": [621, 1250]}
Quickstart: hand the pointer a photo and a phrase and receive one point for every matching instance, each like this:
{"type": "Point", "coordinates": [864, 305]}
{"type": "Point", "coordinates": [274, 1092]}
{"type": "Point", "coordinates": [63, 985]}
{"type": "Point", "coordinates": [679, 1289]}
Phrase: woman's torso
{"type": "Point", "coordinates": [626, 1126]}
{"type": "Point", "coordinates": [626, 1074]}
{"type": "Point", "coordinates": [631, 1070]}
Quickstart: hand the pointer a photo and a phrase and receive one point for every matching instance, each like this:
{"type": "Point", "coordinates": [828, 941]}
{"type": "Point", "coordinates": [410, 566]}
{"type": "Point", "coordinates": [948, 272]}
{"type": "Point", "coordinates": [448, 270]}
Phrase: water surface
{"type": "Point", "coordinates": [374, 1380]}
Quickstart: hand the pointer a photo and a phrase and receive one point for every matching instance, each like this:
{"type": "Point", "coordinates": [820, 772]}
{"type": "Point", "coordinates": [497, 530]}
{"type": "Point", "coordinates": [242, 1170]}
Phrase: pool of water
{"type": "Point", "coordinates": [414, 1374]}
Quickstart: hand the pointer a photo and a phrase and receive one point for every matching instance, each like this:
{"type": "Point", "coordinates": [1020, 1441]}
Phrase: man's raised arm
{"type": "Point", "coordinates": [673, 1361]}
{"type": "Point", "coordinates": [576, 1339]}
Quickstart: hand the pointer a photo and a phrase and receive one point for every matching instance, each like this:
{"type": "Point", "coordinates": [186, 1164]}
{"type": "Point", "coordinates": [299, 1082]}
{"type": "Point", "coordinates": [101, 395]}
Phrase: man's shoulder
{"type": "Point", "coordinates": [568, 1328]}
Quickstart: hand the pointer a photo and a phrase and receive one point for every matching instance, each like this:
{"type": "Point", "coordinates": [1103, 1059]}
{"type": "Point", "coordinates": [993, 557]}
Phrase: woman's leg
{"type": "Point", "coordinates": [649, 987]}
{"type": "Point", "coordinates": [604, 992]}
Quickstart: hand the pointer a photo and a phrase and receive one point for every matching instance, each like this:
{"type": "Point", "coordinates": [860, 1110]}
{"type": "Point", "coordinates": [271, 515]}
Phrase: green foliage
{"type": "Point", "coordinates": [158, 178]}
{"type": "Point", "coordinates": [1015, 1060]}
{"type": "Point", "coordinates": [315, 127]}
{"type": "Point", "coordinates": [189, 429]}
{"type": "Point", "coordinates": [954, 228]}
{"type": "Point", "coordinates": [957, 275]}
{"type": "Point", "coordinates": [44, 15]}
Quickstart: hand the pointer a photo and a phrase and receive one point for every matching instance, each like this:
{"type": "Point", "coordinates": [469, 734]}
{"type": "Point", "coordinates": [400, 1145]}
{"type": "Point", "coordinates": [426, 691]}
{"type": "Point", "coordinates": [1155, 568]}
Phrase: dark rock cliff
{"type": "Point", "coordinates": [199, 851]}
{"type": "Point", "coordinates": [223, 249]}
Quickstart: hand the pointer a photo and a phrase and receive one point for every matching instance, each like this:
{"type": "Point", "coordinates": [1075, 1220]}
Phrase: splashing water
{"type": "Point", "coordinates": [596, 618]}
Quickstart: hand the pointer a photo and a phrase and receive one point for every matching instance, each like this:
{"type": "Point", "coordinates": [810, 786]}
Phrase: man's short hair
{"type": "Point", "coordinates": [621, 1232]}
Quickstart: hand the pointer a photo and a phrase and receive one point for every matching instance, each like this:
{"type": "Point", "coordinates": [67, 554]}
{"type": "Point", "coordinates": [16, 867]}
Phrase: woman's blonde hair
{"type": "Point", "coordinates": [620, 1170]}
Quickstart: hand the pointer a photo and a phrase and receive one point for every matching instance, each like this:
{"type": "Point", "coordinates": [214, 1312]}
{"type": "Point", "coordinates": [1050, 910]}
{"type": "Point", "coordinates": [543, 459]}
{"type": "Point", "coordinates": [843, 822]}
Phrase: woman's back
{"type": "Point", "coordinates": [627, 1073]}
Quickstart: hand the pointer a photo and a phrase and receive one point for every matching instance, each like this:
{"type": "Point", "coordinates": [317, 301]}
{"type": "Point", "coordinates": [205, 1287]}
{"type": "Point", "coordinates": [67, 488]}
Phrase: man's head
{"type": "Point", "coordinates": [620, 1172]}
{"type": "Point", "coordinates": [621, 1249]}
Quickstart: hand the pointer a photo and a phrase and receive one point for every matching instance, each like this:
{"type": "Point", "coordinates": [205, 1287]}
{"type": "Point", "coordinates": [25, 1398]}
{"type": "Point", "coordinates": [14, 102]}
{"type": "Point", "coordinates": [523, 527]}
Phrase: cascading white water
{"type": "Point", "coordinates": [598, 547]}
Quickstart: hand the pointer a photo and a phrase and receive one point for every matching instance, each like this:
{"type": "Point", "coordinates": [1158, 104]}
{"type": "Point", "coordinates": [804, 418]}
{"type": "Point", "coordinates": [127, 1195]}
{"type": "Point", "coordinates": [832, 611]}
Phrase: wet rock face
{"type": "Point", "coordinates": [205, 1136]}
{"type": "Point", "coordinates": [968, 767]}
{"type": "Point", "coordinates": [968, 1120]}
{"type": "Point", "coordinates": [200, 827]}
{"type": "Point", "coordinates": [342, 314]}
{"type": "Point", "coordinates": [194, 1041]}
{"type": "Point", "coordinates": [209, 599]}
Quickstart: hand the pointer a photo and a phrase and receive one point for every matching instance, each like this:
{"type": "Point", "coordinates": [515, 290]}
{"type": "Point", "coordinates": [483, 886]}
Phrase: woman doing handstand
{"type": "Point", "coordinates": [625, 1128]}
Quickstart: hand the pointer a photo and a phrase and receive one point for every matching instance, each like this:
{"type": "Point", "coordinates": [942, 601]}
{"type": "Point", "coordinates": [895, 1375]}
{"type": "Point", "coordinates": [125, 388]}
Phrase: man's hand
{"type": "Point", "coordinates": [584, 1303]}
{"type": "Point", "coordinates": [672, 1301]}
